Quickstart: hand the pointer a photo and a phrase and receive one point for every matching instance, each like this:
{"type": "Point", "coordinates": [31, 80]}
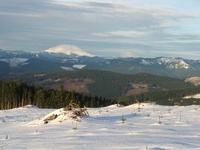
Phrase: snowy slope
{"type": "Point", "coordinates": [170, 63]}
{"type": "Point", "coordinates": [197, 96]}
{"type": "Point", "coordinates": [68, 50]}
{"type": "Point", "coordinates": [193, 80]}
{"type": "Point", "coordinates": [152, 127]}
{"type": "Point", "coordinates": [14, 62]}
{"type": "Point", "coordinates": [174, 63]}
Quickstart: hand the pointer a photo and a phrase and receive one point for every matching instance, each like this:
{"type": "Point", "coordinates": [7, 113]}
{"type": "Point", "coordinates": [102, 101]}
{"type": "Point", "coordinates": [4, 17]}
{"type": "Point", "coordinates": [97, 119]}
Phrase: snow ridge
{"type": "Point", "coordinates": [170, 63]}
{"type": "Point", "coordinates": [174, 63]}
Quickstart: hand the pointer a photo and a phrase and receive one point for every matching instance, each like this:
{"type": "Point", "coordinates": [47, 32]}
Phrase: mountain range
{"type": "Point", "coordinates": [69, 57]}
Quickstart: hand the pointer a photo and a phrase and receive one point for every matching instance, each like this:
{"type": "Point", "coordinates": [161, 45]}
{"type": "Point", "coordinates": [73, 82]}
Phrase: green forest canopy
{"type": "Point", "coordinates": [108, 84]}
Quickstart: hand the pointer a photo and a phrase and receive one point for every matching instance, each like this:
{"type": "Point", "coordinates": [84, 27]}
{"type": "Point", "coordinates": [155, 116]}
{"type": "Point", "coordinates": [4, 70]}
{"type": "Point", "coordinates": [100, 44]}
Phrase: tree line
{"type": "Point", "coordinates": [15, 94]}
{"type": "Point", "coordinates": [164, 97]}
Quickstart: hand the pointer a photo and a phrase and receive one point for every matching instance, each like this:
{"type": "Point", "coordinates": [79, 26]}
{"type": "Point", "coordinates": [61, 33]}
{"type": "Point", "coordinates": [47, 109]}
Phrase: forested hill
{"type": "Point", "coordinates": [103, 83]}
{"type": "Point", "coordinates": [18, 94]}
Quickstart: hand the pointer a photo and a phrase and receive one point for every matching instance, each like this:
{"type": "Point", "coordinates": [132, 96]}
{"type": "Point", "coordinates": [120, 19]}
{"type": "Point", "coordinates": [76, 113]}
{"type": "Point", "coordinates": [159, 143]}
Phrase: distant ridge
{"type": "Point", "coordinates": [70, 57]}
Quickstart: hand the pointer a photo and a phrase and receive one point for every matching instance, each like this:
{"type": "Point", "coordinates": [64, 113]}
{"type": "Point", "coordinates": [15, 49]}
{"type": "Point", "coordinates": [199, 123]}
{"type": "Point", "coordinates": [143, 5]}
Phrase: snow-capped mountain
{"type": "Point", "coordinates": [68, 50]}
{"type": "Point", "coordinates": [67, 57]}
{"type": "Point", "coordinates": [174, 63]}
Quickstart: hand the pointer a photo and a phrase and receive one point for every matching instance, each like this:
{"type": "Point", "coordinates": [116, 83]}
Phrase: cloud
{"type": "Point", "coordinates": [127, 54]}
{"type": "Point", "coordinates": [122, 34]}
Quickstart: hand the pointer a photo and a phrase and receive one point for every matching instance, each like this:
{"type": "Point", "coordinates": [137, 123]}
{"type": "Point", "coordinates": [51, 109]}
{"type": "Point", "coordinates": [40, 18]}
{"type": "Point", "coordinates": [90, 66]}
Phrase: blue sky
{"type": "Point", "coordinates": [137, 28]}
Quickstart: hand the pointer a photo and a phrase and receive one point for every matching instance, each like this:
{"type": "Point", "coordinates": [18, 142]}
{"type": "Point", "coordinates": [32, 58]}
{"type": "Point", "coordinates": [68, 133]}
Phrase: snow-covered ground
{"type": "Point", "coordinates": [197, 96]}
{"type": "Point", "coordinates": [151, 127]}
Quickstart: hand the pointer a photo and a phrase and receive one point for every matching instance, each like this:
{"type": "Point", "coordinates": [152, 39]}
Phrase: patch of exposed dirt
{"type": "Point", "coordinates": [77, 85]}
{"type": "Point", "coordinates": [137, 88]}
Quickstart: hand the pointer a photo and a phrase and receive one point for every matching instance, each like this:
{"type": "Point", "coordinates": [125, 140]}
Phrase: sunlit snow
{"type": "Point", "coordinates": [149, 126]}
{"type": "Point", "coordinates": [67, 68]}
{"type": "Point", "coordinates": [77, 66]}
{"type": "Point", "coordinates": [174, 63]}
{"type": "Point", "coordinates": [68, 50]}
{"type": "Point", "coordinates": [197, 96]}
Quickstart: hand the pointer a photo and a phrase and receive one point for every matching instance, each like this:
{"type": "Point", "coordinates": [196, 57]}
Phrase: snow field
{"type": "Point", "coordinates": [151, 127]}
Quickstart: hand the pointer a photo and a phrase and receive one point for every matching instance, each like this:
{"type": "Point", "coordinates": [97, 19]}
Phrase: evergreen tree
{"type": "Point", "coordinates": [16, 94]}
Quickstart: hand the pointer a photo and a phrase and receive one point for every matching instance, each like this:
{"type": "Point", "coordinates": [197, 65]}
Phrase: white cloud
{"type": "Point", "coordinates": [121, 34]}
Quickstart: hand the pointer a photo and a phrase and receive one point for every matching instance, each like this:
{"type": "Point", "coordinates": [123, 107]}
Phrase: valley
{"type": "Point", "coordinates": [118, 79]}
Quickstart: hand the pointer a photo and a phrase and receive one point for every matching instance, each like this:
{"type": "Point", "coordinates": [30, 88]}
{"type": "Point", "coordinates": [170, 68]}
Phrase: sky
{"type": "Point", "coordinates": [125, 28]}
